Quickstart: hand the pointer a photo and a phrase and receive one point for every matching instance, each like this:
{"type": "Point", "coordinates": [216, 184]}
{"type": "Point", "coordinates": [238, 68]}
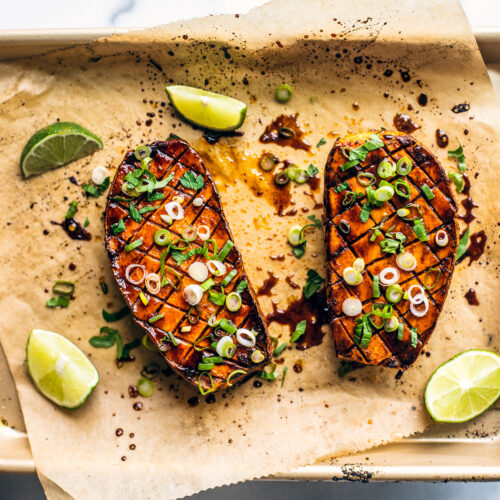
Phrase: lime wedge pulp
{"type": "Point", "coordinates": [463, 387]}
{"type": "Point", "coordinates": [207, 109]}
{"type": "Point", "coordinates": [60, 371]}
{"type": "Point", "coordinates": [56, 145]}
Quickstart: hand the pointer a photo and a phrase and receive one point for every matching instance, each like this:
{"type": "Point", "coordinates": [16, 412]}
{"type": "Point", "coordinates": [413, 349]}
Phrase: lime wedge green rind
{"type": "Point", "coordinates": [207, 109]}
{"type": "Point", "coordinates": [56, 145]}
{"type": "Point", "coordinates": [464, 387]}
{"type": "Point", "coordinates": [59, 370]}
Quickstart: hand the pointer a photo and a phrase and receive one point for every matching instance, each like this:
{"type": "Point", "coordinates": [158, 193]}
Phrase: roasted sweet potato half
{"type": "Point", "coordinates": [174, 259]}
{"type": "Point", "coordinates": [391, 240]}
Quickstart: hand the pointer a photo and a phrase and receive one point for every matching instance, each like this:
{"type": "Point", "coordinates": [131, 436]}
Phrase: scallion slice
{"type": "Point", "coordinates": [142, 152]}
{"type": "Point", "coordinates": [376, 287]}
{"type": "Point", "coordinates": [365, 212]}
{"type": "Point", "coordinates": [384, 193]}
{"type": "Point", "coordinates": [295, 236]}
{"type": "Point", "coordinates": [428, 192]}
{"type": "Point", "coordinates": [233, 302]}
{"type": "Point", "coordinates": [206, 285]}
{"type": "Point", "coordinates": [394, 293]}
{"type": "Point", "coordinates": [156, 318]}
{"type": "Point", "coordinates": [413, 337]}
{"type": "Point", "coordinates": [437, 276]}
{"type": "Point", "coordinates": [419, 228]}
{"type": "Point", "coordinates": [386, 169]}
{"type": "Point", "coordinates": [366, 178]}
{"type": "Point", "coordinates": [203, 392]}
{"type": "Point", "coordinates": [402, 188]}
{"type": "Point", "coordinates": [233, 374]}
{"type": "Point", "coordinates": [228, 246]}
{"type": "Point", "coordinates": [132, 246]}
{"type": "Point", "coordinates": [229, 277]}
{"type": "Point", "coordinates": [391, 324]}
{"type": "Point", "coordinates": [400, 330]}
{"type": "Point", "coordinates": [162, 237]}
{"type": "Point", "coordinates": [216, 298]}
{"type": "Point", "coordinates": [283, 93]}
{"type": "Point", "coordinates": [118, 227]}
{"type": "Point", "coordinates": [63, 287]}
{"type": "Point", "coordinates": [403, 166]}
{"type": "Point", "coordinates": [267, 162]}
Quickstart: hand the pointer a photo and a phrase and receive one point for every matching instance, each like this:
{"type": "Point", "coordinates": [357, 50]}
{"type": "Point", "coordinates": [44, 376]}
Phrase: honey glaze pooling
{"type": "Point", "coordinates": [228, 164]}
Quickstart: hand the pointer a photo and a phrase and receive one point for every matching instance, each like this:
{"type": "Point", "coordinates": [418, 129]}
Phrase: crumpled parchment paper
{"type": "Point", "coordinates": [344, 62]}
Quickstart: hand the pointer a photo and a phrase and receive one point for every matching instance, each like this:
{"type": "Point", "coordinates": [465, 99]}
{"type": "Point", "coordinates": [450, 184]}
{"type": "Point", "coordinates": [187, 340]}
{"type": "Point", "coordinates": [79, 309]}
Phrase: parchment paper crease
{"type": "Point", "coordinates": [112, 85]}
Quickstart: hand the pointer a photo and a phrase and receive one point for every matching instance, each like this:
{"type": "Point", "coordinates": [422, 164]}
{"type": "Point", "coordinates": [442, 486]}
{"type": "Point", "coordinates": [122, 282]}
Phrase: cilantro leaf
{"type": "Point", "coordinates": [192, 181]}
{"type": "Point", "coordinates": [459, 155]}
{"type": "Point", "coordinates": [96, 191]}
{"type": "Point", "coordinates": [317, 222]}
{"type": "Point", "coordinates": [313, 283]}
{"type": "Point", "coordinates": [321, 142]}
{"type": "Point", "coordinates": [458, 180]}
{"type": "Point", "coordinates": [312, 170]}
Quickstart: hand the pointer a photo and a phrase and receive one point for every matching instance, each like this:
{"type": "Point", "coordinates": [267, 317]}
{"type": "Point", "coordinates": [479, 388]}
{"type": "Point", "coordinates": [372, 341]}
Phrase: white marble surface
{"type": "Point", "coordinates": [37, 14]}
{"type": "Point", "coordinates": [43, 14]}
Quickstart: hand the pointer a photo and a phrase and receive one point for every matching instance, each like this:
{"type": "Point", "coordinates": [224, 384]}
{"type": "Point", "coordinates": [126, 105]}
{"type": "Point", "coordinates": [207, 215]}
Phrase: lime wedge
{"type": "Point", "coordinates": [207, 109]}
{"type": "Point", "coordinates": [56, 145]}
{"type": "Point", "coordinates": [463, 387]}
{"type": "Point", "coordinates": [60, 371]}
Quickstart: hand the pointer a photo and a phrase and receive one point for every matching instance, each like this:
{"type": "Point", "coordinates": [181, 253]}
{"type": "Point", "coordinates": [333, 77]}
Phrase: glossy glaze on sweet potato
{"type": "Point", "coordinates": [177, 157]}
{"type": "Point", "coordinates": [437, 214]}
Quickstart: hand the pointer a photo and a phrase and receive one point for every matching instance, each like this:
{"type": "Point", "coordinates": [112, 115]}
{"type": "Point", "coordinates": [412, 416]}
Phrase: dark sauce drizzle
{"type": "Point", "coordinates": [405, 123]}
{"type": "Point", "coordinates": [472, 297]}
{"type": "Point", "coordinates": [73, 229]}
{"type": "Point", "coordinates": [314, 311]}
{"type": "Point", "coordinates": [441, 138]}
{"type": "Point", "coordinates": [268, 285]}
{"type": "Point", "coordinates": [294, 139]}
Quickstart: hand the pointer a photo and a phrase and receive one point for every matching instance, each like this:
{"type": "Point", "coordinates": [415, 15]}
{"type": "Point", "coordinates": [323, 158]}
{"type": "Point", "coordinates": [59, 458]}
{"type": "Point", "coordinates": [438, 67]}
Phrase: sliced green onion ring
{"type": "Point", "coordinates": [233, 302]}
{"type": "Point", "coordinates": [376, 287]}
{"type": "Point", "coordinates": [386, 169]}
{"type": "Point", "coordinates": [189, 234]}
{"type": "Point", "coordinates": [441, 238]}
{"type": "Point", "coordinates": [232, 375]}
{"type": "Point", "coordinates": [406, 261]}
{"type": "Point", "coordinates": [352, 306]}
{"type": "Point", "coordinates": [376, 320]}
{"type": "Point", "coordinates": [394, 294]}
{"type": "Point", "coordinates": [281, 178]}
{"type": "Point", "coordinates": [391, 324]}
{"type": "Point", "coordinates": [346, 151]}
{"type": "Point", "coordinates": [384, 193]}
{"type": "Point", "coordinates": [286, 132]}
{"type": "Point", "coordinates": [437, 273]}
{"type": "Point", "coordinates": [358, 264]}
{"type": "Point", "coordinates": [294, 236]}
{"type": "Point", "coordinates": [146, 342]}
{"type": "Point", "coordinates": [257, 357]}
{"type": "Point", "coordinates": [366, 178]}
{"type": "Point", "coordinates": [267, 162]}
{"type": "Point", "coordinates": [162, 237]}
{"type": "Point", "coordinates": [352, 276]}
{"type": "Point", "coordinates": [145, 387]}
{"type": "Point", "coordinates": [403, 166]}
{"type": "Point", "coordinates": [301, 176]}
{"type": "Point", "coordinates": [142, 152]}
{"type": "Point", "coordinates": [226, 347]}
{"type": "Point", "coordinates": [283, 93]}
{"type": "Point", "coordinates": [130, 190]}
{"type": "Point", "coordinates": [344, 226]}
{"type": "Point", "coordinates": [63, 287]}
{"type": "Point", "coordinates": [398, 185]}
{"type": "Point", "coordinates": [203, 392]}
{"type": "Point", "coordinates": [410, 212]}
